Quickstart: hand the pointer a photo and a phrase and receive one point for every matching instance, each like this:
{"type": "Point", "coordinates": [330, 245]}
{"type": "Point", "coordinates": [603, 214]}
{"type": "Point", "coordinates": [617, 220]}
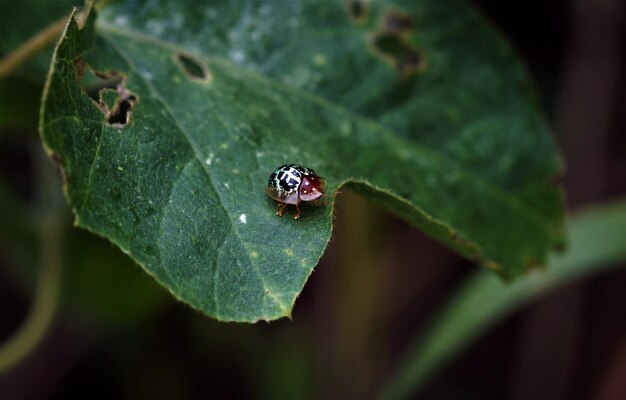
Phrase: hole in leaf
{"type": "Point", "coordinates": [405, 58]}
{"type": "Point", "coordinates": [121, 113]}
{"type": "Point", "coordinates": [193, 68]}
{"type": "Point", "coordinates": [108, 90]}
{"type": "Point", "coordinates": [93, 82]}
{"type": "Point", "coordinates": [357, 10]}
{"type": "Point", "coordinates": [391, 44]}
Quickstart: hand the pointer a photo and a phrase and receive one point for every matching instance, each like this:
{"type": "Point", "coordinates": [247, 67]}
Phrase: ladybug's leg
{"type": "Point", "coordinates": [281, 209]}
{"type": "Point", "coordinates": [297, 214]}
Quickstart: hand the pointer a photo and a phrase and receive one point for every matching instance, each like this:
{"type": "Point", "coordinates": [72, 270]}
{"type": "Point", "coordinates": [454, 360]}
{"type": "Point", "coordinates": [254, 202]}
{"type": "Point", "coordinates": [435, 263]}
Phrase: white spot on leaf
{"type": "Point", "coordinates": [319, 59]}
{"type": "Point", "coordinates": [121, 20]}
{"type": "Point", "coordinates": [242, 218]}
{"type": "Point", "coordinates": [209, 159]}
{"type": "Point", "coordinates": [177, 21]}
{"type": "Point", "coordinates": [237, 55]}
{"type": "Point", "coordinates": [265, 10]}
{"type": "Point", "coordinates": [156, 27]}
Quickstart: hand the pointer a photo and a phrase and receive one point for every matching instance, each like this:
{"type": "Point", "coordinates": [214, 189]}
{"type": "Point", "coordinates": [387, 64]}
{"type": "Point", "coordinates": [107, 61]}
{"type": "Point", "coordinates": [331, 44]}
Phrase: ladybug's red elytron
{"type": "Point", "coordinates": [292, 184]}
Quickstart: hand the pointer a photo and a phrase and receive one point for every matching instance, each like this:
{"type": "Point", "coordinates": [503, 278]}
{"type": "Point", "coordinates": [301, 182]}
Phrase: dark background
{"type": "Point", "coordinates": [354, 318]}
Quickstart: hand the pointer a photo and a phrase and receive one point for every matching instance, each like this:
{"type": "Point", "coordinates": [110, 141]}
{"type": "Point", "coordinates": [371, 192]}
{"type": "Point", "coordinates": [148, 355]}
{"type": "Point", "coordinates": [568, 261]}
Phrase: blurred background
{"type": "Point", "coordinates": [373, 292]}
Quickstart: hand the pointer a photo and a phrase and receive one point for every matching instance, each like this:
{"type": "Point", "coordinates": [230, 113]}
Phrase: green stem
{"type": "Point", "coordinates": [51, 229]}
{"type": "Point", "coordinates": [12, 61]}
{"type": "Point", "coordinates": [597, 241]}
{"type": "Point", "coordinates": [36, 325]}
{"type": "Point", "coordinates": [42, 39]}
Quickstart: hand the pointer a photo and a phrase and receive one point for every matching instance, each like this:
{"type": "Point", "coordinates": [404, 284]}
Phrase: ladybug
{"type": "Point", "coordinates": [291, 184]}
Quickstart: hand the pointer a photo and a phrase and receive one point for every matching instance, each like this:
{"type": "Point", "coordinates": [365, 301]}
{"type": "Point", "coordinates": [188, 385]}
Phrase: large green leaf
{"type": "Point", "coordinates": [223, 93]}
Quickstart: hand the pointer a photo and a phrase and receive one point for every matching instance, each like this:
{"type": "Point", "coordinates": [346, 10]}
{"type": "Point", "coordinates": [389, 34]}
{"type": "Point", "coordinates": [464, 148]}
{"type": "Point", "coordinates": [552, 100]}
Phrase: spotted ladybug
{"type": "Point", "coordinates": [291, 184]}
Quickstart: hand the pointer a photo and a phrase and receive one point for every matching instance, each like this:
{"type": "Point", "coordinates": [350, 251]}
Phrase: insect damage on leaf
{"type": "Point", "coordinates": [357, 10]}
{"type": "Point", "coordinates": [405, 58]}
{"type": "Point", "coordinates": [120, 115]}
{"type": "Point", "coordinates": [194, 69]}
{"type": "Point", "coordinates": [108, 90]}
{"type": "Point", "coordinates": [396, 22]}
{"type": "Point", "coordinates": [390, 43]}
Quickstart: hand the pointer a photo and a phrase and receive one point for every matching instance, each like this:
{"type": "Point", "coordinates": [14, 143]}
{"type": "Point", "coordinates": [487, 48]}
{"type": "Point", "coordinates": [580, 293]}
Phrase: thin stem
{"type": "Point", "coordinates": [32, 46]}
{"type": "Point", "coordinates": [51, 232]}
{"type": "Point", "coordinates": [38, 321]}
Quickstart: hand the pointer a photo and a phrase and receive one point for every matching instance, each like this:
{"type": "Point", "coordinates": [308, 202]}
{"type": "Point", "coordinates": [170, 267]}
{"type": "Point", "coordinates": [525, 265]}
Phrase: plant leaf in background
{"type": "Point", "coordinates": [597, 241]}
{"type": "Point", "coordinates": [419, 107]}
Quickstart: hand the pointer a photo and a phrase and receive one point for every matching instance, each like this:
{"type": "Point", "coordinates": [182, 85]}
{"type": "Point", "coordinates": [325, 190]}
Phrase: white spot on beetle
{"type": "Point", "coordinates": [243, 219]}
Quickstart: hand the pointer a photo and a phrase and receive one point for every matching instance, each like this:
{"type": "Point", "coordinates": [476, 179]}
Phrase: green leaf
{"type": "Point", "coordinates": [597, 241]}
{"type": "Point", "coordinates": [221, 94]}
